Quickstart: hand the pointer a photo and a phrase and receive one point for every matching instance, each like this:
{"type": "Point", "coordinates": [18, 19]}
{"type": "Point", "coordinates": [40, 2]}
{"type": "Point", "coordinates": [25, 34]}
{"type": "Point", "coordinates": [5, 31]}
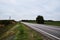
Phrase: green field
{"type": "Point", "coordinates": [25, 33]}
{"type": "Point", "coordinates": [55, 23]}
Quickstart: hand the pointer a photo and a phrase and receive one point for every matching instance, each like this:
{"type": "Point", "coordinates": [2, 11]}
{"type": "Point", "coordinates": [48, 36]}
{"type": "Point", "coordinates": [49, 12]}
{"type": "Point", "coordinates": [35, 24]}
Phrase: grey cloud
{"type": "Point", "coordinates": [29, 9]}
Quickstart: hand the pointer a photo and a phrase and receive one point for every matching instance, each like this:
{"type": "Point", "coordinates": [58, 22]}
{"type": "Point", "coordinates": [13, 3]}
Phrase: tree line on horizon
{"type": "Point", "coordinates": [39, 20]}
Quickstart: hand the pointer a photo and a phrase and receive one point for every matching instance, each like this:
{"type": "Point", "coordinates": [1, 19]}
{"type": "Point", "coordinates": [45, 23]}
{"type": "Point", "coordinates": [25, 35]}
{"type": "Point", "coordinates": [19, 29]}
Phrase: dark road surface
{"type": "Point", "coordinates": [52, 32]}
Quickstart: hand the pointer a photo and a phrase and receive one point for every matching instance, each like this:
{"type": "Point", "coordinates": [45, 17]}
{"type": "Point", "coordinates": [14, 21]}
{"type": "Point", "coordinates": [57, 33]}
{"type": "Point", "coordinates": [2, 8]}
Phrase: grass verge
{"type": "Point", "coordinates": [25, 33]}
{"type": "Point", "coordinates": [53, 23]}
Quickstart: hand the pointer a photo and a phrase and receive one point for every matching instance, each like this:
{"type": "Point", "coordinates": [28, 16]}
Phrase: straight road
{"type": "Point", "coordinates": [52, 32]}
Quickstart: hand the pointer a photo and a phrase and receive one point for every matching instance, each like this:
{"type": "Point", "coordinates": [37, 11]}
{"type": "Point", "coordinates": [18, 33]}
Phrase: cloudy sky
{"type": "Point", "coordinates": [29, 9]}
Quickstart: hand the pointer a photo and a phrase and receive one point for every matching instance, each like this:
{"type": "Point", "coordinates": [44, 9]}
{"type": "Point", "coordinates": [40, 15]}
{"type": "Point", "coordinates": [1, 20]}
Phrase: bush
{"type": "Point", "coordinates": [40, 19]}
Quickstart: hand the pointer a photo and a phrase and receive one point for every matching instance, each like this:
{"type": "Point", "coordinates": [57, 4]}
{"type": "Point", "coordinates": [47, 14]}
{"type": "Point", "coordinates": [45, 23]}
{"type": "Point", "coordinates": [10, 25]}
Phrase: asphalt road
{"type": "Point", "coordinates": [52, 32]}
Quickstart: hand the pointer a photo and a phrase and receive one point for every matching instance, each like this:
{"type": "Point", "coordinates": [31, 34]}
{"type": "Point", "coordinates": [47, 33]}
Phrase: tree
{"type": "Point", "coordinates": [40, 19]}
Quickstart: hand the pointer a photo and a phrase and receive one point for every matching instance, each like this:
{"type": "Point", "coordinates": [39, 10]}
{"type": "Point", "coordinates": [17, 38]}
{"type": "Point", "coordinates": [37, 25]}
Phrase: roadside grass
{"type": "Point", "coordinates": [26, 33]}
{"type": "Point", "coordinates": [53, 23]}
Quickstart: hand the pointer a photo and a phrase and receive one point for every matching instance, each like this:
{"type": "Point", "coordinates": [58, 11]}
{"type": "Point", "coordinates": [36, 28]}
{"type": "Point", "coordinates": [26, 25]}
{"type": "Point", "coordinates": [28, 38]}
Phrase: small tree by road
{"type": "Point", "coordinates": [40, 19]}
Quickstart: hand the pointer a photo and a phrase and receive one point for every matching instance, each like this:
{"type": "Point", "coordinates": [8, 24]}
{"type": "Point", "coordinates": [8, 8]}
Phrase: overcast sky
{"type": "Point", "coordinates": [29, 9]}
